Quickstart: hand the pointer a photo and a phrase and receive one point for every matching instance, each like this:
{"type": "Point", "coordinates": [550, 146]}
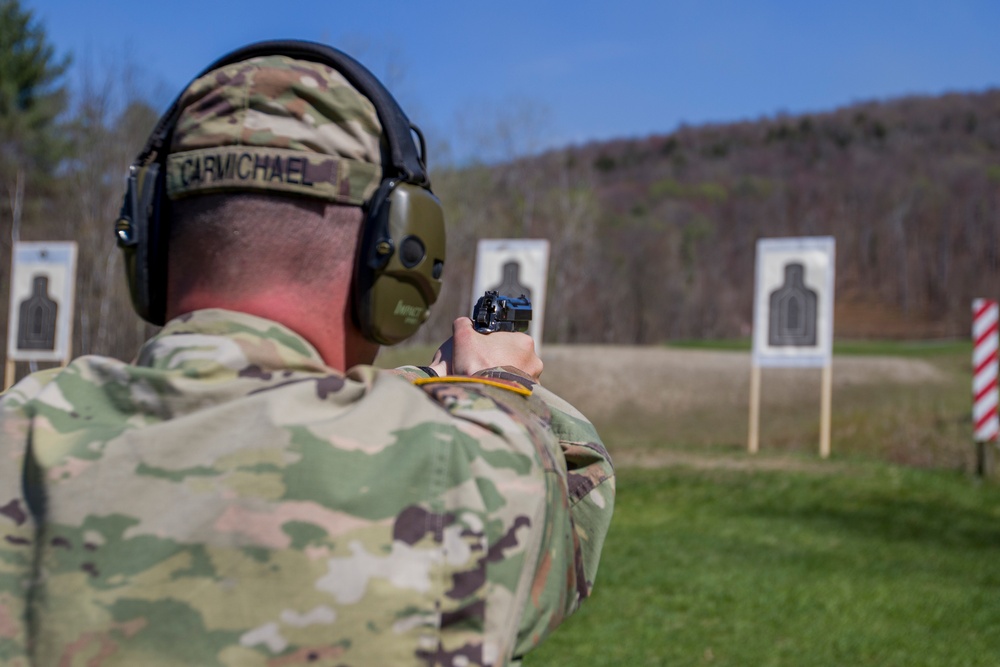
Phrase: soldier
{"type": "Point", "coordinates": [250, 491]}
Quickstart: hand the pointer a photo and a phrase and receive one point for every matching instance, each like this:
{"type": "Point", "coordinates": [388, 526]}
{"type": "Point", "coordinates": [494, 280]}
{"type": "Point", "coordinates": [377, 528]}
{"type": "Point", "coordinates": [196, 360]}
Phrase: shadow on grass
{"type": "Point", "coordinates": [869, 501]}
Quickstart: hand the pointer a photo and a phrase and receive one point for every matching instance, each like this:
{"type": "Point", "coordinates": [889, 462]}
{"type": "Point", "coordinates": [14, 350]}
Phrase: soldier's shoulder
{"type": "Point", "coordinates": [28, 388]}
{"type": "Point", "coordinates": [499, 405]}
{"type": "Point", "coordinates": [56, 386]}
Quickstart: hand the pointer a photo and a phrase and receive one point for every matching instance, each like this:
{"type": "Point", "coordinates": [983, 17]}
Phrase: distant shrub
{"type": "Point", "coordinates": [718, 149]}
{"type": "Point", "coordinates": [780, 133]}
{"type": "Point", "coordinates": [753, 186]}
{"type": "Point", "coordinates": [605, 163]}
{"type": "Point", "coordinates": [715, 192]}
{"type": "Point", "coordinates": [841, 137]}
{"type": "Point", "coordinates": [666, 187]}
{"type": "Point", "coordinates": [669, 187]}
{"type": "Point", "coordinates": [878, 130]}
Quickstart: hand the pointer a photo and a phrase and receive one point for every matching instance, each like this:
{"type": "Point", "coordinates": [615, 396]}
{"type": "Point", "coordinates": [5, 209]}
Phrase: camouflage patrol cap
{"type": "Point", "coordinates": [276, 124]}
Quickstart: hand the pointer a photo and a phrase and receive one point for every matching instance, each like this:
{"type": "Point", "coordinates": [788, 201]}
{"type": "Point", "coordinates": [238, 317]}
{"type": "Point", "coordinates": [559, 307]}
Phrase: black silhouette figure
{"type": "Point", "coordinates": [793, 311]}
{"type": "Point", "coordinates": [511, 284]}
{"type": "Point", "coordinates": [37, 324]}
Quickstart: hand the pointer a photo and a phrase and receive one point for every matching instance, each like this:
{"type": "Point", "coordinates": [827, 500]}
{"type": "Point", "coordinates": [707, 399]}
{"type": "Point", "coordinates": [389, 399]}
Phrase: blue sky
{"type": "Point", "coordinates": [563, 73]}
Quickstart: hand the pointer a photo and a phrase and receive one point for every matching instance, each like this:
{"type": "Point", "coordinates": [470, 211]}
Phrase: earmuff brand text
{"type": "Point", "coordinates": [244, 167]}
{"type": "Point", "coordinates": [408, 311]}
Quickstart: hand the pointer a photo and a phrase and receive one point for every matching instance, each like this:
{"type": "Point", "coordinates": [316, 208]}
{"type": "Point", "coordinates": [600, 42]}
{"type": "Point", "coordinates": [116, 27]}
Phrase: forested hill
{"type": "Point", "coordinates": [654, 239]}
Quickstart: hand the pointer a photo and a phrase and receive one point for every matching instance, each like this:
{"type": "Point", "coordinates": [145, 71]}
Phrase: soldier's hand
{"type": "Point", "coordinates": [468, 351]}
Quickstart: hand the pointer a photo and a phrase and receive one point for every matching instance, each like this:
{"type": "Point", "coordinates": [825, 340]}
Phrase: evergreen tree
{"type": "Point", "coordinates": [32, 98]}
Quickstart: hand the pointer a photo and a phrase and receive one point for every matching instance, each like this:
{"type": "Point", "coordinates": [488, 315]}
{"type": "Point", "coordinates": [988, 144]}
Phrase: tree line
{"type": "Point", "coordinates": [63, 158]}
{"type": "Point", "coordinates": [652, 238]}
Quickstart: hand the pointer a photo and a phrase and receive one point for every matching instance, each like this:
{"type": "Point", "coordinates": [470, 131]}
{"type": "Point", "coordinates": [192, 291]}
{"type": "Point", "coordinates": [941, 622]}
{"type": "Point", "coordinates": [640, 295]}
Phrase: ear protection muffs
{"type": "Point", "coordinates": [401, 254]}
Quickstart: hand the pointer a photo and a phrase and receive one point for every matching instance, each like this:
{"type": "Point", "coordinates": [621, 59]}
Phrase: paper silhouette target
{"type": "Point", "coordinates": [793, 302]}
{"type": "Point", "coordinates": [792, 318]}
{"type": "Point", "coordinates": [43, 278]}
{"type": "Point", "coordinates": [514, 267]}
{"type": "Point", "coordinates": [511, 284]}
{"type": "Point", "coordinates": [36, 328]}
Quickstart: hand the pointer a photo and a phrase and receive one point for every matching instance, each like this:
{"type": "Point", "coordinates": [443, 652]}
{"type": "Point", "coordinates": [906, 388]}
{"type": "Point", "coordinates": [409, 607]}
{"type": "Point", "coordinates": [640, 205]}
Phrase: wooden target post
{"type": "Point", "coordinates": [793, 320]}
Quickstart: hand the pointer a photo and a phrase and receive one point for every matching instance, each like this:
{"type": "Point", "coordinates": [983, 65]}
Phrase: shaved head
{"type": "Point", "coordinates": [235, 244]}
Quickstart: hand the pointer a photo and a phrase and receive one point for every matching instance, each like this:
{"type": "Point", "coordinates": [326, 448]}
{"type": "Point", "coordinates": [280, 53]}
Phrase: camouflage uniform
{"type": "Point", "coordinates": [229, 500]}
{"type": "Point", "coordinates": [276, 125]}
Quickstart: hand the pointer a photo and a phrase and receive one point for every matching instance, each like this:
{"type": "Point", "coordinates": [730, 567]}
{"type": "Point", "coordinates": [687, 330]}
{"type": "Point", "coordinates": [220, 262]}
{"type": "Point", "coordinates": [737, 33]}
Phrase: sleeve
{"type": "Point", "coordinates": [575, 533]}
{"type": "Point", "coordinates": [558, 559]}
{"type": "Point", "coordinates": [17, 534]}
{"type": "Point", "coordinates": [590, 478]}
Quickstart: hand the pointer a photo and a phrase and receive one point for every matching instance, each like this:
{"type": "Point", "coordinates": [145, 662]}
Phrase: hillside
{"type": "Point", "coordinates": [654, 238]}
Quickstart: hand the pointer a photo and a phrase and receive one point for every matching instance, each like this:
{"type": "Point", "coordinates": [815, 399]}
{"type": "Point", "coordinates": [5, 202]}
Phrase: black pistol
{"type": "Point", "coordinates": [494, 312]}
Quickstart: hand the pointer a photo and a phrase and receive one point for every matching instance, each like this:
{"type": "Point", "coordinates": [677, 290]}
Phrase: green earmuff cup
{"type": "Point", "coordinates": [401, 264]}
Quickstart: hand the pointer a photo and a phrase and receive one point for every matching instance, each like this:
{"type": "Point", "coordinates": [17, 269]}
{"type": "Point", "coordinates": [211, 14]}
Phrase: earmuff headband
{"type": "Point", "coordinates": [401, 258]}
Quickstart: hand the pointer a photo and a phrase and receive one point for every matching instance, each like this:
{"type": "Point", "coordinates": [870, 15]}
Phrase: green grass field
{"type": "Point", "coordinates": [889, 554]}
{"type": "Point", "coordinates": [865, 564]}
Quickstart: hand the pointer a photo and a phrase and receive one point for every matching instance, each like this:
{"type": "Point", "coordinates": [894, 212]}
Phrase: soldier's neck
{"type": "Point", "coordinates": [323, 321]}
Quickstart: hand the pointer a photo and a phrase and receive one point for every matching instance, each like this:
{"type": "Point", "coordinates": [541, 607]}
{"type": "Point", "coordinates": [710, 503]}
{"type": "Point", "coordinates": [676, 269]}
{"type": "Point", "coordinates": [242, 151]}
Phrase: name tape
{"type": "Point", "coordinates": [275, 169]}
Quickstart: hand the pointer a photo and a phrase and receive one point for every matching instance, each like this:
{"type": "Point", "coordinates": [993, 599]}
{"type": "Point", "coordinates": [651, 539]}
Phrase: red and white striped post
{"type": "Point", "coordinates": [985, 393]}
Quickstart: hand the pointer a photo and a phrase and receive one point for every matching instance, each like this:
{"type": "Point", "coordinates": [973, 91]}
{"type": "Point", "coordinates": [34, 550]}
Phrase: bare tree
{"type": "Point", "coordinates": [111, 120]}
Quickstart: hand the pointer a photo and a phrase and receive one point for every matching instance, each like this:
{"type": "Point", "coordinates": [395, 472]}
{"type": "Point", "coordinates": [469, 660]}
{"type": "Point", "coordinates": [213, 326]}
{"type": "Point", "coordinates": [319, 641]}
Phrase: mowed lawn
{"type": "Point", "coordinates": [853, 564]}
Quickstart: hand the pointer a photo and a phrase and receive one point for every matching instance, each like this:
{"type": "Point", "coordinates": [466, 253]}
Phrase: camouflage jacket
{"type": "Point", "coordinates": [229, 500]}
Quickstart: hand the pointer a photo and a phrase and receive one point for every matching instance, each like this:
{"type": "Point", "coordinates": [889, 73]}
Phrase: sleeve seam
{"type": "Point", "coordinates": [596, 487]}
